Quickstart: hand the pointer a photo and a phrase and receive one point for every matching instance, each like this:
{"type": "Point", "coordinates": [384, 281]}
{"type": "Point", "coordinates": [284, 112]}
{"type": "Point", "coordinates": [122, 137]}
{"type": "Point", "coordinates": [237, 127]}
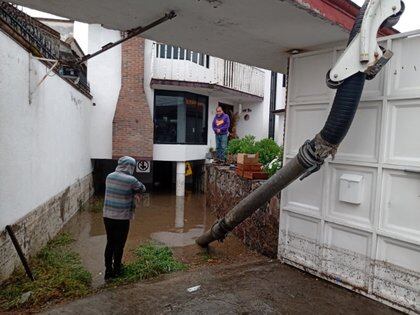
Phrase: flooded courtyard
{"type": "Point", "coordinates": [162, 218]}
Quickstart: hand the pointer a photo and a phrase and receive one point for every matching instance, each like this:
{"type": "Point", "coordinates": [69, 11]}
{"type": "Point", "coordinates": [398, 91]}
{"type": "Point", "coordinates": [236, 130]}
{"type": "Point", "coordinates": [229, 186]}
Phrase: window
{"type": "Point", "coordinates": [173, 52]}
{"type": "Point", "coordinates": [180, 118]}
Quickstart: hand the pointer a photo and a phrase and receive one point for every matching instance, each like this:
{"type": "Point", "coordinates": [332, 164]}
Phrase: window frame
{"type": "Point", "coordinates": [158, 92]}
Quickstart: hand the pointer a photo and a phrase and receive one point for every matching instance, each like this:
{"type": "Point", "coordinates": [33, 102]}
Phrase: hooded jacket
{"type": "Point", "coordinates": [120, 187]}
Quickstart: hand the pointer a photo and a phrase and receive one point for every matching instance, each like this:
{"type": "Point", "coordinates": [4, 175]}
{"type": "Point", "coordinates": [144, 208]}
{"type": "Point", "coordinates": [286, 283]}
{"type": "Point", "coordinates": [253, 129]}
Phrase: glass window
{"type": "Point", "coordinates": [182, 54]}
{"type": "Point", "coordinates": [157, 50]}
{"type": "Point", "coordinates": [162, 50]}
{"type": "Point", "coordinates": [207, 61]}
{"type": "Point", "coordinates": [188, 57]}
{"type": "Point", "coordinates": [176, 52]}
{"type": "Point", "coordinates": [194, 57]}
{"type": "Point", "coordinates": [201, 59]}
{"type": "Point", "coordinates": [168, 51]}
{"type": "Point", "coordinates": [180, 117]}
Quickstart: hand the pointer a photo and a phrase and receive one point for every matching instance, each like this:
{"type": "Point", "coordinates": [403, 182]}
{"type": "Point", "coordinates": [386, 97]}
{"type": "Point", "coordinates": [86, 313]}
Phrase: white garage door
{"type": "Point", "coordinates": [357, 221]}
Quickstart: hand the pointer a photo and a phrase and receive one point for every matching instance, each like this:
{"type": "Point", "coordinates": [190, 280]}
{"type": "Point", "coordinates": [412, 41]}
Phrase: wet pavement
{"type": "Point", "coordinates": [163, 218]}
{"type": "Point", "coordinates": [263, 287]}
{"type": "Point", "coordinates": [231, 280]}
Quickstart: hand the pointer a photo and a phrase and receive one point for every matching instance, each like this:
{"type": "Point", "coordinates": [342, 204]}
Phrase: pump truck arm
{"type": "Point", "coordinates": [362, 60]}
{"type": "Point", "coordinates": [363, 54]}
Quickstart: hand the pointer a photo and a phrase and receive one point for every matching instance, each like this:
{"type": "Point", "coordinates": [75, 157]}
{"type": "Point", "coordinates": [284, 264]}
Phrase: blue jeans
{"type": "Point", "coordinates": [221, 145]}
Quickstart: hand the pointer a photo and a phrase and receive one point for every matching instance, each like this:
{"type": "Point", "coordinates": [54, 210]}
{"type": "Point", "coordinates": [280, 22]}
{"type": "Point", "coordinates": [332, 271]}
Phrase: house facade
{"type": "Point", "coordinates": [156, 102]}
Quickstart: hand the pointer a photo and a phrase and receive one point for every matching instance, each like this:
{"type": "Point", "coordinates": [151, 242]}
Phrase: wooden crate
{"type": "Point", "coordinates": [255, 175]}
{"type": "Point", "coordinates": [249, 167]}
{"type": "Point", "coordinates": [247, 158]}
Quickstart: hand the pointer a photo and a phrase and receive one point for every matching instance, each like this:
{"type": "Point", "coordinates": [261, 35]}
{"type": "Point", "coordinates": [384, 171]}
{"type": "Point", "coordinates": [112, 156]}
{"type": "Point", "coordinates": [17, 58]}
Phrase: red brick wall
{"type": "Point", "coordinates": [132, 132]}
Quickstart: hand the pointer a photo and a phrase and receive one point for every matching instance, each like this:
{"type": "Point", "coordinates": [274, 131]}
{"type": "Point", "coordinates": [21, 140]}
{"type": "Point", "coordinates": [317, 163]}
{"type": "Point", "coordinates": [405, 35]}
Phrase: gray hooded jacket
{"type": "Point", "coordinates": [120, 188]}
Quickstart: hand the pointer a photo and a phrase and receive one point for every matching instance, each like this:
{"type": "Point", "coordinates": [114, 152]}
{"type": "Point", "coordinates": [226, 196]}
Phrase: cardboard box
{"type": "Point", "coordinates": [244, 158]}
{"type": "Point", "coordinates": [249, 167]}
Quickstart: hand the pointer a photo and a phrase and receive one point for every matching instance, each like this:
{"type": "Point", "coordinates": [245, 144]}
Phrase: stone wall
{"type": "Point", "coordinates": [40, 225]}
{"type": "Point", "coordinates": [224, 190]}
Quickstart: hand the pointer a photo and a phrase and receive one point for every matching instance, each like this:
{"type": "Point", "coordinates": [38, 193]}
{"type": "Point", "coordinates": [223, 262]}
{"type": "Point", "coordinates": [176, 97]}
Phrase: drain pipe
{"type": "Point", "coordinates": [311, 155]}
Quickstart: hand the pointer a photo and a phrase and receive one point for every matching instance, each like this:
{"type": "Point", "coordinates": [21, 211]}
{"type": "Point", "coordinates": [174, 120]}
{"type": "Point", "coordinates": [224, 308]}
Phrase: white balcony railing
{"type": "Point", "coordinates": [229, 74]}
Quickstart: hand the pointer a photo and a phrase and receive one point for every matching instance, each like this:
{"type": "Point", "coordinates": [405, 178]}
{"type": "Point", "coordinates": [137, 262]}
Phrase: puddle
{"type": "Point", "coordinates": [173, 221]}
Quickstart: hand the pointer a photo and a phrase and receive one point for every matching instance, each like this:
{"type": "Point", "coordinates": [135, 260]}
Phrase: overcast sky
{"type": "Point", "coordinates": [410, 20]}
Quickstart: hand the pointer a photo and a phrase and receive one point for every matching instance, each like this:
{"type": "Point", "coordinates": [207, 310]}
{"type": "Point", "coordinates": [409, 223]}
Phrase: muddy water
{"type": "Point", "coordinates": [164, 218]}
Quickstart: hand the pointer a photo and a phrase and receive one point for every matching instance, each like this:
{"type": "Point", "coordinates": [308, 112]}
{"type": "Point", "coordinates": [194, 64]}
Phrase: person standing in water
{"type": "Point", "coordinates": [221, 124]}
{"type": "Point", "coordinates": [121, 190]}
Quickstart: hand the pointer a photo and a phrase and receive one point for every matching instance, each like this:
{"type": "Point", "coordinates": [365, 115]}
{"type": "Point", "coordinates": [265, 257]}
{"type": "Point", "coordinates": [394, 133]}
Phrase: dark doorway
{"type": "Point", "coordinates": [163, 176]}
{"type": "Point", "coordinates": [228, 109]}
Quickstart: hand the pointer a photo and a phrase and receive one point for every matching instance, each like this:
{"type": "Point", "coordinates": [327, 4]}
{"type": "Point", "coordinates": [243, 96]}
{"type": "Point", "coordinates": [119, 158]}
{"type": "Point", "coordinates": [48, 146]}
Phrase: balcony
{"type": "Point", "coordinates": [180, 67]}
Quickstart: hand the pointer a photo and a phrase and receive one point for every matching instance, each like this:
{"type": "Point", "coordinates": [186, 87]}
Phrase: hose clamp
{"type": "Point", "coordinates": [309, 159]}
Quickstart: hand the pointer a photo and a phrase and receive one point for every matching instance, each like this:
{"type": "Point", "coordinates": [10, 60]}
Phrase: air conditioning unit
{"type": "Point", "coordinates": [69, 72]}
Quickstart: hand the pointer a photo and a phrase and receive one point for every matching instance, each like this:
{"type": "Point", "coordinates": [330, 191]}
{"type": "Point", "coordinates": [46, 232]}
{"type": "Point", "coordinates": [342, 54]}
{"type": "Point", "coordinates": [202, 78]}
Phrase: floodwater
{"type": "Point", "coordinates": [164, 218]}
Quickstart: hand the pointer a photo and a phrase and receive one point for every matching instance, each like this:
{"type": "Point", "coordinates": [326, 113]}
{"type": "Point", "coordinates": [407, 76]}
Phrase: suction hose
{"type": "Point", "coordinates": [310, 157]}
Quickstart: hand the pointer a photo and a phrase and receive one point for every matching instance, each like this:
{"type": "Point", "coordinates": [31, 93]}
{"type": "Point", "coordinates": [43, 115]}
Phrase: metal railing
{"type": "Point", "coordinates": [46, 42]}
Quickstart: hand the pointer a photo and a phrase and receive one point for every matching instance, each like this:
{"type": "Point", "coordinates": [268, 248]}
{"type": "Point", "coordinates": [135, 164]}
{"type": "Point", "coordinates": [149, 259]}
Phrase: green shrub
{"type": "Point", "coordinates": [234, 146]}
{"type": "Point", "coordinates": [267, 150]}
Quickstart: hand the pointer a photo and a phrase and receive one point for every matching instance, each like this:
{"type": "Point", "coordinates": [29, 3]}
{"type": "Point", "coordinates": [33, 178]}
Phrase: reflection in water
{"type": "Point", "coordinates": [179, 212]}
{"type": "Point", "coordinates": [173, 221]}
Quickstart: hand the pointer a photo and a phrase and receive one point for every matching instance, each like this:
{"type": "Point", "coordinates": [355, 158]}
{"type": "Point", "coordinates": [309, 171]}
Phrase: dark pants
{"type": "Point", "coordinates": [116, 235]}
{"type": "Point", "coordinates": [221, 145]}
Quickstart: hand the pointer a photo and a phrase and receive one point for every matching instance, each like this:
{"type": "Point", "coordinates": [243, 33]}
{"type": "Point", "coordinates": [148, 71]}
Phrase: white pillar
{"type": "Point", "coordinates": [180, 179]}
{"type": "Point", "coordinates": [179, 212]}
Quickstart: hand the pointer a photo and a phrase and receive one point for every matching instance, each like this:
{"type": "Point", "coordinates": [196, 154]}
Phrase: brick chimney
{"type": "Point", "coordinates": [132, 132]}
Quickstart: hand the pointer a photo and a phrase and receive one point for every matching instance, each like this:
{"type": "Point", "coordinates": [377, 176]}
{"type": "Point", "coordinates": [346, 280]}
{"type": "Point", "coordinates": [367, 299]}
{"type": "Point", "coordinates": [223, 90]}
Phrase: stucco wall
{"type": "Point", "coordinates": [44, 145]}
{"type": "Point", "coordinates": [104, 75]}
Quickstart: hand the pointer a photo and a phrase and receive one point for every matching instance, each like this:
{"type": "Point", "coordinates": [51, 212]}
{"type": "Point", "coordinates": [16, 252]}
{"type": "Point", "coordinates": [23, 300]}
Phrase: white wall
{"type": "Point", "coordinates": [104, 76]}
{"type": "Point", "coordinates": [44, 146]}
{"type": "Point", "coordinates": [149, 59]}
{"type": "Point", "coordinates": [257, 124]}
{"type": "Point", "coordinates": [370, 241]}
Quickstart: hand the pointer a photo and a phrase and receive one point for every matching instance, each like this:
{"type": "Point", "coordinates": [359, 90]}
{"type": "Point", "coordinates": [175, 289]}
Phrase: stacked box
{"type": "Point", "coordinates": [249, 167]}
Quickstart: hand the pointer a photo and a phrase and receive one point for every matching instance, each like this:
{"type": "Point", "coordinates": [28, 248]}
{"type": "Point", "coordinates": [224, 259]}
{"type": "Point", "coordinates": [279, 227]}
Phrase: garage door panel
{"type": "Point", "coordinates": [347, 254]}
{"type": "Point", "coordinates": [355, 212]}
{"type": "Point", "coordinates": [308, 81]}
{"type": "Point", "coordinates": [306, 195]}
{"type": "Point", "coordinates": [362, 141]}
{"type": "Point", "coordinates": [300, 239]}
{"type": "Point", "coordinates": [307, 121]}
{"type": "Point", "coordinates": [401, 203]}
{"type": "Point", "coordinates": [405, 67]}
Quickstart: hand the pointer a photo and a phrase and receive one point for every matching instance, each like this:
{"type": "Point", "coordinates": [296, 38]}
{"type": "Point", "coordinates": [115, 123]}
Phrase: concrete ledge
{"type": "Point", "coordinates": [40, 225]}
{"type": "Point", "coordinates": [225, 189]}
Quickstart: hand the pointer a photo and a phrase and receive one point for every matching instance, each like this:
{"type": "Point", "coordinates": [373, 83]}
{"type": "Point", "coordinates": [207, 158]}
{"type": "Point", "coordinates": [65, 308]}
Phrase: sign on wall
{"type": "Point", "coordinates": [143, 166]}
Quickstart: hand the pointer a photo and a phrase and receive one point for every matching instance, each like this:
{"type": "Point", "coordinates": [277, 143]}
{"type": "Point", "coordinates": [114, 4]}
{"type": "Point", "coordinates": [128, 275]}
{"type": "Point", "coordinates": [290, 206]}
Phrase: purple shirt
{"type": "Point", "coordinates": [221, 122]}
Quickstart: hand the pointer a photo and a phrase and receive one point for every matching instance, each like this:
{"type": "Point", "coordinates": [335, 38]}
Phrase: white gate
{"type": "Point", "coordinates": [357, 221]}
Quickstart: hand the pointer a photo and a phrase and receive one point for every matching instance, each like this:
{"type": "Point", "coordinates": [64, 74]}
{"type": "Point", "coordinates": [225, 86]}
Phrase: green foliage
{"type": "Point", "coordinates": [58, 273]}
{"type": "Point", "coordinates": [267, 148]}
{"type": "Point", "coordinates": [151, 260]}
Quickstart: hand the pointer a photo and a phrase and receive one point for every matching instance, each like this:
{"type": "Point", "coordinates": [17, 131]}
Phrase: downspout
{"type": "Point", "coordinates": [311, 155]}
{"type": "Point", "coordinates": [273, 96]}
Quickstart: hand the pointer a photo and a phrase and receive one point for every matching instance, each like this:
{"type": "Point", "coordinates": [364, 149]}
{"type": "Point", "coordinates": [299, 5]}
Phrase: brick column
{"type": "Point", "coordinates": [132, 132]}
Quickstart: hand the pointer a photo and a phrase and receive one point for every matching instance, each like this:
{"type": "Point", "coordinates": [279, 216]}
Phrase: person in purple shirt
{"type": "Point", "coordinates": [221, 124]}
